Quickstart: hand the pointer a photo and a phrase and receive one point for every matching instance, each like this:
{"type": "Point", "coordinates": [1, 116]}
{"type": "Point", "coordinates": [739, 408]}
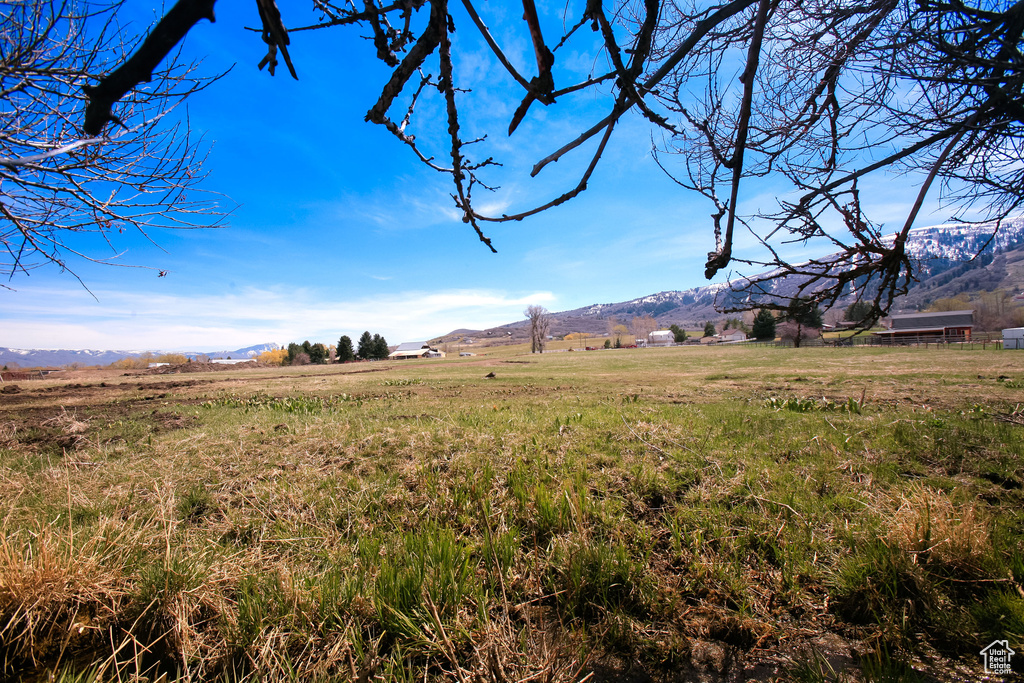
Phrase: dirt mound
{"type": "Point", "coordinates": [203, 367]}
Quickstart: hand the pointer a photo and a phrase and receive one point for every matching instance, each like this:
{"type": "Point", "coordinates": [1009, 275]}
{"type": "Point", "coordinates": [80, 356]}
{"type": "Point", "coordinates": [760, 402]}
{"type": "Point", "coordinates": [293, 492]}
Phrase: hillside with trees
{"type": "Point", "coordinates": [944, 255]}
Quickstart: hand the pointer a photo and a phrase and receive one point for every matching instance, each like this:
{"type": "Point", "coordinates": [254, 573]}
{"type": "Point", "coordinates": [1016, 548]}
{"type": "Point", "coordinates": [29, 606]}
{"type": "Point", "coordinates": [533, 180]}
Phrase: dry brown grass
{"type": "Point", "coordinates": [657, 516]}
{"type": "Point", "coordinates": [55, 589]}
{"type": "Point", "coordinates": [931, 527]}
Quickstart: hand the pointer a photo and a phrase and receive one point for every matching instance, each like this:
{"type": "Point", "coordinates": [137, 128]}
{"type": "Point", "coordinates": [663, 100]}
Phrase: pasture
{"type": "Point", "coordinates": [667, 514]}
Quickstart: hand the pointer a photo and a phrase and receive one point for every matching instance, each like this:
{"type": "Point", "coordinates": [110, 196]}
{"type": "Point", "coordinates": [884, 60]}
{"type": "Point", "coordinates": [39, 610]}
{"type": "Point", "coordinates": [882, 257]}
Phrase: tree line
{"type": "Point", "coordinates": [369, 347]}
{"type": "Point", "coordinates": [995, 310]}
{"type": "Point", "coordinates": [801, 321]}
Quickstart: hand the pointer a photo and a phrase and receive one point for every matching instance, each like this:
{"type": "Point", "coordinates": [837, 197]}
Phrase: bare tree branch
{"type": "Point", "coordinates": [55, 183]}
{"type": "Point", "coordinates": [140, 66]}
{"type": "Point", "coordinates": [832, 93]}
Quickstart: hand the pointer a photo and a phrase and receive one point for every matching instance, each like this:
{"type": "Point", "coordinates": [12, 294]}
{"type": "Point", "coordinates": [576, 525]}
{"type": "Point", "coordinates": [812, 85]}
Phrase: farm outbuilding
{"type": "Point", "coordinates": [1013, 338]}
{"type": "Point", "coordinates": [661, 338]}
{"type": "Point", "coordinates": [408, 350]}
{"type": "Point", "coordinates": [733, 336]}
{"type": "Point", "coordinates": [939, 326]}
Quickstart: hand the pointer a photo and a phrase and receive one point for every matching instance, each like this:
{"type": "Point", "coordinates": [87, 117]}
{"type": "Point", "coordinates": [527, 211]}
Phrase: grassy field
{"type": "Point", "coordinates": [668, 514]}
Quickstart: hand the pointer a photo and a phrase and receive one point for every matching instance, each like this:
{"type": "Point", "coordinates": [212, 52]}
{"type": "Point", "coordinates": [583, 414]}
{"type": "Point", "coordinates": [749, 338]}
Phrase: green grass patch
{"type": "Point", "coordinates": [578, 513]}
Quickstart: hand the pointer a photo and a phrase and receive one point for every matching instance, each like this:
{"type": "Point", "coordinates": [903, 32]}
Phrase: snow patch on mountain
{"type": "Point", "coordinates": [63, 357]}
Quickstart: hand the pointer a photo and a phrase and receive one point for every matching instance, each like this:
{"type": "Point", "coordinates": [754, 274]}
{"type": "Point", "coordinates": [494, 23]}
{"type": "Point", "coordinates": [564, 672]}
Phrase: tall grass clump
{"type": "Point", "coordinates": [427, 576]}
{"type": "Point", "coordinates": [592, 578]}
{"type": "Point", "coordinates": [929, 565]}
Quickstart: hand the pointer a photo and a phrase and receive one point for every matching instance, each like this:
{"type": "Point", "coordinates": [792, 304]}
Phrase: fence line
{"type": "Point", "coordinates": [980, 342]}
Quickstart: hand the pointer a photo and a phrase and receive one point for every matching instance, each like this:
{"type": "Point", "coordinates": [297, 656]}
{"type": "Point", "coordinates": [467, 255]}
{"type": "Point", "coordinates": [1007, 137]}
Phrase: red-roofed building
{"type": "Point", "coordinates": [944, 326]}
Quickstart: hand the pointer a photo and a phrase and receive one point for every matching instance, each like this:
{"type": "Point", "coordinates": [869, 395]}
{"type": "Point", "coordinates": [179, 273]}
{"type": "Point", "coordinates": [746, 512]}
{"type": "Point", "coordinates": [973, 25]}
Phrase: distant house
{"type": "Point", "coordinates": [926, 327]}
{"type": "Point", "coordinates": [661, 338]}
{"type": "Point", "coordinates": [408, 350]}
{"type": "Point", "coordinates": [733, 336]}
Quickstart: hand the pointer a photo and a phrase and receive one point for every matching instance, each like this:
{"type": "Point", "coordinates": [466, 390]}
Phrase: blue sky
{"type": "Point", "coordinates": [338, 229]}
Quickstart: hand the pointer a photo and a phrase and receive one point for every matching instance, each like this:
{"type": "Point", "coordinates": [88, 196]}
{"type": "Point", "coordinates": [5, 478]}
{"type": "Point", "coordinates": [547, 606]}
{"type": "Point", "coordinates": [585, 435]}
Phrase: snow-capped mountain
{"type": "Point", "coordinates": [247, 352]}
{"type": "Point", "coordinates": [941, 253]}
{"type": "Point", "coordinates": [945, 256]}
{"type": "Point", "coordinates": [61, 357]}
{"type": "Point", "coordinates": [960, 241]}
{"type": "Point", "coordinates": [934, 250]}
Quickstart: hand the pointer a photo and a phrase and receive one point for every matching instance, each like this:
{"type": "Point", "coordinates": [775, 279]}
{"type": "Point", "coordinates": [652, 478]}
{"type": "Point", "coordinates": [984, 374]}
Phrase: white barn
{"type": "Point", "coordinates": [1013, 338]}
{"type": "Point", "coordinates": [408, 350]}
{"type": "Point", "coordinates": [661, 338]}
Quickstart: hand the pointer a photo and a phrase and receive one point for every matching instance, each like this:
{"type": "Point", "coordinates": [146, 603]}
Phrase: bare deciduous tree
{"type": "Point", "coordinates": [828, 93]}
{"type": "Point", "coordinates": [59, 176]}
{"type": "Point", "coordinates": [834, 93]}
{"type": "Point", "coordinates": [540, 323]}
{"type": "Point", "coordinates": [641, 326]}
{"type": "Point", "coordinates": [821, 93]}
{"type": "Point", "coordinates": [796, 333]}
{"type": "Point", "coordinates": [616, 330]}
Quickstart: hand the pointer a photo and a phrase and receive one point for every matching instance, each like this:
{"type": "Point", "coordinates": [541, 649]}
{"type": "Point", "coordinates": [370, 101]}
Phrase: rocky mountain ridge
{"type": "Point", "coordinates": [950, 257]}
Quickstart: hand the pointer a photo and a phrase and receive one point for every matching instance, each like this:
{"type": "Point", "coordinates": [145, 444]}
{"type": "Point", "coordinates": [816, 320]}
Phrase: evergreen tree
{"type": "Point", "coordinates": [857, 311]}
{"type": "Point", "coordinates": [293, 350]}
{"type": "Point", "coordinates": [709, 329]}
{"type": "Point", "coordinates": [764, 325]}
{"type": "Point", "coordinates": [807, 319]}
{"type": "Point", "coordinates": [379, 348]}
{"type": "Point", "coordinates": [365, 350]}
{"type": "Point", "coordinates": [736, 324]}
{"type": "Point", "coordinates": [678, 333]}
{"type": "Point", "coordinates": [345, 353]}
{"type": "Point", "coordinates": [804, 313]}
{"type": "Point", "coordinates": [318, 354]}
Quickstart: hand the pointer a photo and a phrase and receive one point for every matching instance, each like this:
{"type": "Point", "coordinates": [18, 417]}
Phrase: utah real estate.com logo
{"type": "Point", "coordinates": [996, 657]}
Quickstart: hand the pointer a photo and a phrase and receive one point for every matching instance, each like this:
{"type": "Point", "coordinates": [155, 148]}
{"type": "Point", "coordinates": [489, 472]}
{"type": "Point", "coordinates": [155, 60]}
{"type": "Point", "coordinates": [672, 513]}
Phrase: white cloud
{"type": "Point", "coordinates": [72, 320]}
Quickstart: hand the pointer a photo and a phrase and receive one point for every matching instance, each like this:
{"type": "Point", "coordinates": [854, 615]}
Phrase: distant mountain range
{"type": "Point", "coordinates": [61, 357]}
{"type": "Point", "coordinates": [948, 259]}
{"type": "Point", "coordinates": [947, 265]}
